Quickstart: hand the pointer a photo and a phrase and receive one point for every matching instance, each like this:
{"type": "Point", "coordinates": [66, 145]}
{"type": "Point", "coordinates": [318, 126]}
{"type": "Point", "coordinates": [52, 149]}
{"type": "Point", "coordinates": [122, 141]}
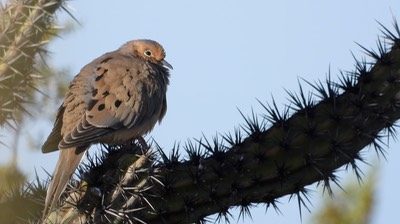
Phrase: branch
{"type": "Point", "coordinates": [282, 154]}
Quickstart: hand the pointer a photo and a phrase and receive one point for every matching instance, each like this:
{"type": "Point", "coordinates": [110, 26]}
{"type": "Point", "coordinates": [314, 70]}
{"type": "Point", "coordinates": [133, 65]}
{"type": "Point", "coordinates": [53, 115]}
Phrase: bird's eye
{"type": "Point", "coordinates": [148, 53]}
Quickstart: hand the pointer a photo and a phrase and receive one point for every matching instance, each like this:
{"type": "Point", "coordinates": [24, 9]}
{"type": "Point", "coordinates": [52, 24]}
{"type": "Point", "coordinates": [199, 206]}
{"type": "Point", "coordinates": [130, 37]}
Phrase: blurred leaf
{"type": "Point", "coordinates": [353, 205]}
{"type": "Point", "coordinates": [10, 178]}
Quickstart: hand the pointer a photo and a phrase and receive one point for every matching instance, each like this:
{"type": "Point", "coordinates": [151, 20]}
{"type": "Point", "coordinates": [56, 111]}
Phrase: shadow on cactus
{"type": "Point", "coordinates": [271, 155]}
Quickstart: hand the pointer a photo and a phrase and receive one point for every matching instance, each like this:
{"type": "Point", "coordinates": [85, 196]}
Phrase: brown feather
{"type": "Point", "coordinates": [66, 165]}
{"type": "Point", "coordinates": [51, 144]}
{"type": "Point", "coordinates": [116, 98]}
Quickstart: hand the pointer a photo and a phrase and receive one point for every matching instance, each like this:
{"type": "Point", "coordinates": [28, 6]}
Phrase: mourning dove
{"type": "Point", "coordinates": [118, 97]}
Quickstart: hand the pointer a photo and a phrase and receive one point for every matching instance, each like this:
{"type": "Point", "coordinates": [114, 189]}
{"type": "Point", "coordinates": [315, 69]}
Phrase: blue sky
{"type": "Point", "coordinates": [227, 54]}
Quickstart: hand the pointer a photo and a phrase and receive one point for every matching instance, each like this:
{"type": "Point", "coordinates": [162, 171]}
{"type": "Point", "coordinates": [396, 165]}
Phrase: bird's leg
{"type": "Point", "coordinates": [142, 142]}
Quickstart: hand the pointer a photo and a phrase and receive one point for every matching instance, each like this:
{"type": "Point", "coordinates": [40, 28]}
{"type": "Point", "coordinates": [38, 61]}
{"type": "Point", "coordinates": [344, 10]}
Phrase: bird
{"type": "Point", "coordinates": [116, 98]}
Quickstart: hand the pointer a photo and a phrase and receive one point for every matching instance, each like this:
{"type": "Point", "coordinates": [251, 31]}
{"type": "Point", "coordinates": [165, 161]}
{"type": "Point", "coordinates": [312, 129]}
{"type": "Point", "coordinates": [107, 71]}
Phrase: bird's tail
{"type": "Point", "coordinates": [66, 165]}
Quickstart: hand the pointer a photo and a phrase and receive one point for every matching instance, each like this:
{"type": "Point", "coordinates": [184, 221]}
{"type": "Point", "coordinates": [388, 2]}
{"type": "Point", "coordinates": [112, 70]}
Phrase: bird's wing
{"type": "Point", "coordinates": [51, 144]}
{"type": "Point", "coordinates": [120, 97]}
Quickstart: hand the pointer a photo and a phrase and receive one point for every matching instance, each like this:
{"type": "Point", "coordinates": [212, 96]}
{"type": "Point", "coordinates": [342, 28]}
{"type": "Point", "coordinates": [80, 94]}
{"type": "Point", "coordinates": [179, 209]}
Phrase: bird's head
{"type": "Point", "coordinates": [148, 50]}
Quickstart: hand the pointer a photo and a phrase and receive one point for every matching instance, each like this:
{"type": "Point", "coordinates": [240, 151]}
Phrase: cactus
{"type": "Point", "coordinates": [25, 27]}
{"type": "Point", "coordinates": [272, 155]}
{"type": "Point", "coordinates": [282, 154]}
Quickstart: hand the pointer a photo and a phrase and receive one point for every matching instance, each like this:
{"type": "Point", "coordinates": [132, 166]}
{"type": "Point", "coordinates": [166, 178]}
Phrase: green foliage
{"type": "Point", "coordinates": [25, 29]}
{"type": "Point", "coordinates": [25, 79]}
{"type": "Point", "coordinates": [354, 204]}
{"type": "Point", "coordinates": [10, 178]}
{"type": "Point", "coordinates": [26, 26]}
{"type": "Point", "coordinates": [19, 200]}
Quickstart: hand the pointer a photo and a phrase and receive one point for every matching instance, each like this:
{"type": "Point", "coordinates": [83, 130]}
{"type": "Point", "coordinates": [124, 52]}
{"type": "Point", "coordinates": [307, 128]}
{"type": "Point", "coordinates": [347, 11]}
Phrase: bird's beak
{"type": "Point", "coordinates": [166, 64]}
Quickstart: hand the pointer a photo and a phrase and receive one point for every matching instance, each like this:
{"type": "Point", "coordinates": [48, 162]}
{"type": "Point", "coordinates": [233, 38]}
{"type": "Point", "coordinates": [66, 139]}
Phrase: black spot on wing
{"type": "Point", "coordinates": [94, 93]}
{"type": "Point", "coordinates": [117, 103]}
{"type": "Point", "coordinates": [91, 104]}
{"type": "Point", "coordinates": [101, 107]}
{"type": "Point", "coordinates": [99, 77]}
